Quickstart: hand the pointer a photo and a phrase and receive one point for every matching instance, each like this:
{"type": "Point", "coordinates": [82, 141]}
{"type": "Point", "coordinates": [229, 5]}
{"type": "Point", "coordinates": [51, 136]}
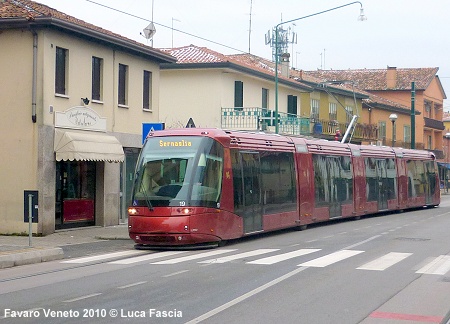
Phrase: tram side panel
{"type": "Point", "coordinates": [402, 183]}
{"type": "Point", "coordinates": [359, 186]}
{"type": "Point", "coordinates": [305, 182]}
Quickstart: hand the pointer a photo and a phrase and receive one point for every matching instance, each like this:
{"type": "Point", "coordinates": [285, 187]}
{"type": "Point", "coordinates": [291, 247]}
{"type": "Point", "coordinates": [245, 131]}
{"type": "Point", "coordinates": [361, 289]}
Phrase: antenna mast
{"type": "Point", "coordinates": [250, 26]}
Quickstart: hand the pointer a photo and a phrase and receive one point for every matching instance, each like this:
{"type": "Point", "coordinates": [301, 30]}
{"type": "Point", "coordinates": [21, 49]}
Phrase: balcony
{"type": "Point", "coordinates": [262, 119]}
{"type": "Point", "coordinates": [433, 123]}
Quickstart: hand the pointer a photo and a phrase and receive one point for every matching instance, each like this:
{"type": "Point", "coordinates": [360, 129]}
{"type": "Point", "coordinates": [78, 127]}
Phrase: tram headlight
{"type": "Point", "coordinates": [185, 211]}
{"type": "Point", "coordinates": [132, 211]}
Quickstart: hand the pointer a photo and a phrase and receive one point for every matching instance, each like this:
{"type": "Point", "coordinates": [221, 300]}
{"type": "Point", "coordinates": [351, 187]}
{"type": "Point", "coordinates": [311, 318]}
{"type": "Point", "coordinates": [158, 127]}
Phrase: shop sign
{"type": "Point", "coordinates": [80, 118]}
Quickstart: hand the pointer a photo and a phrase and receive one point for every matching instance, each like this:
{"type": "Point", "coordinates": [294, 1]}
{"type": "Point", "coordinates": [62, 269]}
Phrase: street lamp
{"type": "Point", "coordinates": [361, 17]}
{"type": "Point", "coordinates": [393, 118]}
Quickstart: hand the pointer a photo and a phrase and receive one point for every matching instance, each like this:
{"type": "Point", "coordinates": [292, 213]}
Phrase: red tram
{"type": "Point", "coordinates": [203, 186]}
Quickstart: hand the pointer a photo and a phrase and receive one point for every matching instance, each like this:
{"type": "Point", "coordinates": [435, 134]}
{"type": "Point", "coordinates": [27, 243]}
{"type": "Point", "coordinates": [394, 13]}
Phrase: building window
{"type": "Point", "coordinates": [238, 94]}
{"type": "Point", "coordinates": [349, 115]}
{"type": "Point", "coordinates": [265, 98]}
{"type": "Point", "coordinates": [61, 71]}
{"type": "Point", "coordinates": [332, 111]}
{"type": "Point", "coordinates": [147, 91]}
{"type": "Point", "coordinates": [123, 76]}
{"type": "Point", "coordinates": [292, 105]}
{"type": "Point", "coordinates": [382, 130]}
{"type": "Point", "coordinates": [97, 72]}
{"type": "Point", "coordinates": [427, 105]}
{"type": "Point", "coordinates": [407, 134]}
{"type": "Point", "coordinates": [314, 109]}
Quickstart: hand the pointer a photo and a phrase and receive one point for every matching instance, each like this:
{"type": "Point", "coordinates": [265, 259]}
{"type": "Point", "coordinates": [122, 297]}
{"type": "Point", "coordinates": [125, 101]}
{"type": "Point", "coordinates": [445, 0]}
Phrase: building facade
{"type": "Point", "coordinates": [395, 84]}
{"type": "Point", "coordinates": [74, 97]}
{"type": "Point", "coordinates": [238, 92]}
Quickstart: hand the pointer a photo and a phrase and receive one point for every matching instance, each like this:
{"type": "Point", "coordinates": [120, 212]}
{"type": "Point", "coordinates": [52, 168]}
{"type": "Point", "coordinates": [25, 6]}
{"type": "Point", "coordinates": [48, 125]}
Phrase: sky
{"type": "Point", "coordinates": [397, 33]}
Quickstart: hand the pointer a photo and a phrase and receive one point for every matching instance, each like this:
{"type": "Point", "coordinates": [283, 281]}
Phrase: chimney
{"type": "Point", "coordinates": [285, 64]}
{"type": "Point", "coordinates": [391, 77]}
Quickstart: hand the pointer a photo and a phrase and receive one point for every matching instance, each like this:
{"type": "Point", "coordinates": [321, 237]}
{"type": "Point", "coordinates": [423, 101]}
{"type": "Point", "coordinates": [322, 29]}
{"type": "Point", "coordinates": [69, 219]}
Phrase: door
{"type": "Point", "coordinates": [383, 185]}
{"type": "Point", "coordinates": [251, 187]}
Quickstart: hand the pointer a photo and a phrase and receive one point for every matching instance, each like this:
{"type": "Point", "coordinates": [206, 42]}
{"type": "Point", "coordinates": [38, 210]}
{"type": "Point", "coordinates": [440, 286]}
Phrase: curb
{"type": "Point", "coordinates": [29, 256]}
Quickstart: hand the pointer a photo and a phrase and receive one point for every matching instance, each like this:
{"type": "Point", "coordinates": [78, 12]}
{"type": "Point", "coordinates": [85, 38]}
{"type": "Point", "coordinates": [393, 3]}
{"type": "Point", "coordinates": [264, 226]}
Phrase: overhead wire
{"type": "Point", "coordinates": [169, 27]}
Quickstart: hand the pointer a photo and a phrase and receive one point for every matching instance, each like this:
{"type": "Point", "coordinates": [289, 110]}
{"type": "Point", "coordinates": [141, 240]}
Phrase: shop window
{"type": "Point", "coordinates": [75, 192]}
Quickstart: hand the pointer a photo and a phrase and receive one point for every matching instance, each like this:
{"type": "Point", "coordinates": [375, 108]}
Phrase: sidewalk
{"type": "Point", "coordinates": [15, 250]}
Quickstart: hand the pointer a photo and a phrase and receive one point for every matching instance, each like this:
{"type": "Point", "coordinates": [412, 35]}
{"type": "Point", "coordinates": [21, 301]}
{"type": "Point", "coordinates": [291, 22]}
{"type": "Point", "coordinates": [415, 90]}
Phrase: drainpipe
{"type": "Point", "coordinates": [34, 81]}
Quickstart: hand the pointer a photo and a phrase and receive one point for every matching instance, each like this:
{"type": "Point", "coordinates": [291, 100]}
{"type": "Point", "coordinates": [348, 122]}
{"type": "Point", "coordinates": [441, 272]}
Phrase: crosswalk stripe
{"type": "Point", "coordinates": [194, 257]}
{"type": "Point", "coordinates": [146, 257]}
{"type": "Point", "coordinates": [330, 258]}
{"type": "Point", "coordinates": [239, 256]}
{"type": "Point", "coordinates": [282, 257]}
{"type": "Point", "coordinates": [439, 266]}
{"type": "Point", "coordinates": [103, 256]}
{"type": "Point", "coordinates": [385, 261]}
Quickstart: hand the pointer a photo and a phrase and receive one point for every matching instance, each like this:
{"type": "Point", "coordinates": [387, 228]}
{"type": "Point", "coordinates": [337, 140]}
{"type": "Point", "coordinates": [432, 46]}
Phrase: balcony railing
{"type": "Point", "coordinates": [262, 119]}
{"type": "Point", "coordinates": [254, 118]}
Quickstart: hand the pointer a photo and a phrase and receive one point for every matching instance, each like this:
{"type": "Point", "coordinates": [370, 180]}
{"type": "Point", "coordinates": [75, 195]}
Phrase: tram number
{"type": "Point", "coordinates": [182, 203]}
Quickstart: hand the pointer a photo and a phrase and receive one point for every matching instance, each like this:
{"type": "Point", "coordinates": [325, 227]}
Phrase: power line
{"type": "Point", "coordinates": [168, 27]}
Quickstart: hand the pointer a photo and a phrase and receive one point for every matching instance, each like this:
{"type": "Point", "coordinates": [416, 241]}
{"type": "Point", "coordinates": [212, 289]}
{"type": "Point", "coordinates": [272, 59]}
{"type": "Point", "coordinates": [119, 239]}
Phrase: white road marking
{"type": "Point", "coordinates": [81, 298]}
{"type": "Point", "coordinates": [239, 256]}
{"type": "Point", "coordinates": [103, 256]}
{"type": "Point", "coordinates": [283, 257]}
{"type": "Point", "coordinates": [193, 257]}
{"type": "Point", "coordinates": [146, 257]}
{"type": "Point", "coordinates": [132, 285]}
{"type": "Point", "coordinates": [439, 266]}
{"type": "Point", "coordinates": [330, 258]}
{"type": "Point", "coordinates": [244, 296]}
{"type": "Point", "coordinates": [175, 273]}
{"type": "Point", "coordinates": [385, 261]}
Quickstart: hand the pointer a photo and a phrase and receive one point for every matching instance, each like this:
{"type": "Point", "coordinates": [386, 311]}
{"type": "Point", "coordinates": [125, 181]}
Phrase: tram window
{"type": "Point", "coordinates": [431, 176]}
{"type": "Point", "coordinates": [333, 179]}
{"type": "Point", "coordinates": [179, 170]}
{"type": "Point", "coordinates": [278, 185]}
{"type": "Point", "coordinates": [391, 179]}
{"type": "Point", "coordinates": [278, 181]}
{"type": "Point", "coordinates": [416, 178]}
{"type": "Point", "coordinates": [237, 182]}
{"type": "Point", "coordinates": [372, 183]}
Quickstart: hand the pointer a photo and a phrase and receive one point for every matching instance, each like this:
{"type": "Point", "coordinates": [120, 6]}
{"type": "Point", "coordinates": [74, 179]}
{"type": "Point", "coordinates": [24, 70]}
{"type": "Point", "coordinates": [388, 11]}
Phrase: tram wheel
{"type": "Point", "coordinates": [301, 227]}
{"type": "Point", "coordinates": [222, 243]}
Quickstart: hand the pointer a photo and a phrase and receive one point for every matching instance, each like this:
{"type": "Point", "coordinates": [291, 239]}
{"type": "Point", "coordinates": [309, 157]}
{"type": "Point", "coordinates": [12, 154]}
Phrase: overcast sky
{"type": "Point", "coordinates": [400, 33]}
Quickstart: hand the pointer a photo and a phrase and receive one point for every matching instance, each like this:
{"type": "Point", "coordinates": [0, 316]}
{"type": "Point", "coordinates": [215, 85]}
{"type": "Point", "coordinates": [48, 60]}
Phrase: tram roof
{"type": "Point", "coordinates": [270, 141]}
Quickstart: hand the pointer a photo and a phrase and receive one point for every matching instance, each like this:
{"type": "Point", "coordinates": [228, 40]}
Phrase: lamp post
{"type": "Point", "coordinates": [361, 17]}
{"type": "Point", "coordinates": [174, 19]}
{"type": "Point", "coordinates": [393, 118]}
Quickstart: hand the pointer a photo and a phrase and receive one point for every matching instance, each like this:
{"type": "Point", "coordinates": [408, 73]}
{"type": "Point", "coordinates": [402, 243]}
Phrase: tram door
{"type": "Point", "coordinates": [383, 185]}
{"type": "Point", "coordinates": [251, 189]}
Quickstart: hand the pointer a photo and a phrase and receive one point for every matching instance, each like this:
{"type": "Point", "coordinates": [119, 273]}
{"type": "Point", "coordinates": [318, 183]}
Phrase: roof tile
{"type": "Point", "coordinates": [376, 79]}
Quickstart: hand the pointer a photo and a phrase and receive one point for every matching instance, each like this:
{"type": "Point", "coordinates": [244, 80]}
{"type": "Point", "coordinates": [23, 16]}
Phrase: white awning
{"type": "Point", "coordinates": [87, 146]}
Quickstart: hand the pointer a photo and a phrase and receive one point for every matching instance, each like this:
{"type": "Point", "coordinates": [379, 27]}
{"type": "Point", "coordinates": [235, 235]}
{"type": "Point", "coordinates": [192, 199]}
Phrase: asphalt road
{"type": "Point", "coordinates": [391, 268]}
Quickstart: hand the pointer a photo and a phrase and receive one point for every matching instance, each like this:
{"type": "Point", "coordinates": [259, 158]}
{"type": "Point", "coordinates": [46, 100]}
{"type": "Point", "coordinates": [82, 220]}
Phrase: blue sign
{"type": "Point", "coordinates": [149, 127]}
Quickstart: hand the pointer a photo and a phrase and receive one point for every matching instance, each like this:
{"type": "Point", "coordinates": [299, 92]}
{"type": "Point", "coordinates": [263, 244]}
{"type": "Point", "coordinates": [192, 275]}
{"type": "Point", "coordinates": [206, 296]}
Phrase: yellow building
{"type": "Point", "coordinates": [73, 97]}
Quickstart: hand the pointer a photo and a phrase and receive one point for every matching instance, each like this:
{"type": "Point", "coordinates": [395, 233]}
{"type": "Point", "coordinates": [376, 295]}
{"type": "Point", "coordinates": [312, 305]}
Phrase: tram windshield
{"type": "Point", "coordinates": [179, 171]}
